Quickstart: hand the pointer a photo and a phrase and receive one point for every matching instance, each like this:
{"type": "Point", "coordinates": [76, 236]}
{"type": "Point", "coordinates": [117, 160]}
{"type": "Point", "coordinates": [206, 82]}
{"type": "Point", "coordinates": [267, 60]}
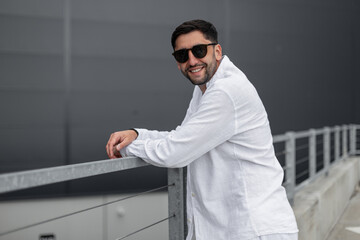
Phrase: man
{"type": "Point", "coordinates": [234, 179]}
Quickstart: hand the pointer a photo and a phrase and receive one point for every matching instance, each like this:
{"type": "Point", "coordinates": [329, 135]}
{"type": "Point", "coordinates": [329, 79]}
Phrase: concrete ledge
{"type": "Point", "coordinates": [319, 205]}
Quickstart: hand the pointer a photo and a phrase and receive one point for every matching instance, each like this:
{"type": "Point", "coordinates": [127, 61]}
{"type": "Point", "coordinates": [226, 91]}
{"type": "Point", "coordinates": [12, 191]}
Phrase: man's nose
{"type": "Point", "coordinates": [192, 59]}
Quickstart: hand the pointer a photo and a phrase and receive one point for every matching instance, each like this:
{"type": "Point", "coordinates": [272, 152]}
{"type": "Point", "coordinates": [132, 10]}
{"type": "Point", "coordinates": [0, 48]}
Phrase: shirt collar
{"type": "Point", "coordinates": [219, 72]}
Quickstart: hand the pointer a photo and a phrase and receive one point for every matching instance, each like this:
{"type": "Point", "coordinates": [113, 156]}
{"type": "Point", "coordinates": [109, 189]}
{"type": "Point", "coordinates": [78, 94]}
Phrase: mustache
{"type": "Point", "coordinates": [196, 65]}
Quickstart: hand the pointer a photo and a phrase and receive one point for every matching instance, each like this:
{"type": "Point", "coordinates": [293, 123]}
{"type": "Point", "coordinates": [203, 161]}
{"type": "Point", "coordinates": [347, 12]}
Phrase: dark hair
{"type": "Point", "coordinates": [205, 27]}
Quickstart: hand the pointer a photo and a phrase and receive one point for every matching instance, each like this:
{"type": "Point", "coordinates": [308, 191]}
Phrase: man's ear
{"type": "Point", "coordinates": [178, 65]}
{"type": "Point", "coordinates": [218, 52]}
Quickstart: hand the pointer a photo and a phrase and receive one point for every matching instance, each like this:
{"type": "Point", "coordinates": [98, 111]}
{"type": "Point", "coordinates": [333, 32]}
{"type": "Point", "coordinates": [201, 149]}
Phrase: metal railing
{"type": "Point", "coordinates": [27, 179]}
{"type": "Point", "coordinates": [309, 154]}
{"type": "Point", "coordinates": [304, 156]}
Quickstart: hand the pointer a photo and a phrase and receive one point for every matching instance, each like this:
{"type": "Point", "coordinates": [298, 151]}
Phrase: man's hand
{"type": "Point", "coordinates": [119, 140]}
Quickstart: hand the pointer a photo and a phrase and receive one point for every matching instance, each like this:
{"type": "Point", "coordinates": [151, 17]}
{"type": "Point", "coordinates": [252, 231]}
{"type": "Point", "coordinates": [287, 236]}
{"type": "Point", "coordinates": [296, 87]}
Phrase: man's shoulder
{"type": "Point", "coordinates": [234, 83]}
{"type": "Point", "coordinates": [231, 80]}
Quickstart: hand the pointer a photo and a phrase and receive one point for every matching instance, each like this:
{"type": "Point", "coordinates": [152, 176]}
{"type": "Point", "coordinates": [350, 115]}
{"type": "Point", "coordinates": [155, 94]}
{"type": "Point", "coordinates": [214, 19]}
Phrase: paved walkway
{"type": "Point", "coordinates": [348, 226]}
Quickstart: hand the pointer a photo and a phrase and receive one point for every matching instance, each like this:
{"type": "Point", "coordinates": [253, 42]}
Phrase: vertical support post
{"type": "Point", "coordinates": [312, 153]}
{"type": "Point", "coordinates": [326, 149]}
{"type": "Point", "coordinates": [344, 142]}
{"type": "Point", "coordinates": [290, 164]}
{"type": "Point", "coordinates": [357, 151]}
{"type": "Point", "coordinates": [67, 64]}
{"type": "Point", "coordinates": [176, 199]}
{"type": "Point", "coordinates": [352, 139]}
{"type": "Point", "coordinates": [337, 143]}
{"type": "Point", "coordinates": [67, 77]}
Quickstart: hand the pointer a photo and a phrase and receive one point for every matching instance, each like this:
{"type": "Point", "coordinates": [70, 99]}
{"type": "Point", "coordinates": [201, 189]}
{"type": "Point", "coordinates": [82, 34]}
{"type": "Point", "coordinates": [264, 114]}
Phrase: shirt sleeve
{"type": "Point", "coordinates": [212, 124]}
{"type": "Point", "coordinates": [150, 134]}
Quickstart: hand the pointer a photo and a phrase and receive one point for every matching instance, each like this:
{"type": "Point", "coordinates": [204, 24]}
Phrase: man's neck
{"type": "Point", "coordinates": [203, 88]}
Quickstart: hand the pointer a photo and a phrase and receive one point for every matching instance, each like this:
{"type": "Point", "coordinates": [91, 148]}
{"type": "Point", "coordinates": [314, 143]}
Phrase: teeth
{"type": "Point", "coordinates": [196, 70]}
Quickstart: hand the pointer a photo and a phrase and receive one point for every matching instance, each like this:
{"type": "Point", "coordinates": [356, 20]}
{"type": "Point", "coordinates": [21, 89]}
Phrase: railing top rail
{"type": "Point", "coordinates": [302, 134]}
{"type": "Point", "coordinates": [280, 138]}
{"type": "Point", "coordinates": [307, 133]}
{"type": "Point", "coordinates": [33, 178]}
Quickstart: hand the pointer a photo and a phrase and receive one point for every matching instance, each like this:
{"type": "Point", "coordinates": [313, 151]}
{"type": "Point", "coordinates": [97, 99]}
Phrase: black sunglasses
{"type": "Point", "coordinates": [199, 51]}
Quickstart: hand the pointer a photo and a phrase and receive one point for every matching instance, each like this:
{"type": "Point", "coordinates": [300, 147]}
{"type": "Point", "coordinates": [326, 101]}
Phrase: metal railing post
{"type": "Point", "coordinates": [357, 151]}
{"type": "Point", "coordinates": [326, 149]}
{"type": "Point", "coordinates": [352, 139]}
{"type": "Point", "coordinates": [312, 153]}
{"type": "Point", "coordinates": [344, 142]}
{"type": "Point", "coordinates": [177, 206]}
{"type": "Point", "coordinates": [337, 143]}
{"type": "Point", "coordinates": [290, 165]}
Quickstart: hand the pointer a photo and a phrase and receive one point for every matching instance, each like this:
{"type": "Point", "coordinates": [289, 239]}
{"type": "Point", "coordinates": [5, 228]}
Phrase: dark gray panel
{"type": "Point", "coordinates": [144, 12]}
{"type": "Point", "coordinates": [38, 109]}
{"type": "Point", "coordinates": [31, 72]}
{"type": "Point", "coordinates": [124, 110]}
{"type": "Point", "coordinates": [125, 40]}
{"type": "Point", "coordinates": [44, 8]}
{"type": "Point", "coordinates": [117, 74]}
{"type": "Point", "coordinates": [31, 148]}
{"type": "Point", "coordinates": [31, 34]}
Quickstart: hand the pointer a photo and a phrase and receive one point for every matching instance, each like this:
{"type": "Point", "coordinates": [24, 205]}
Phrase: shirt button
{"type": "Point", "coordinates": [193, 194]}
{"type": "Point", "coordinates": [189, 220]}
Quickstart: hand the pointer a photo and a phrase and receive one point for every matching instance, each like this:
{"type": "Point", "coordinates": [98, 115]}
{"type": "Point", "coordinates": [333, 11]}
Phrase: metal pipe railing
{"type": "Point", "coordinates": [27, 179]}
{"type": "Point", "coordinates": [33, 178]}
{"type": "Point", "coordinates": [332, 153]}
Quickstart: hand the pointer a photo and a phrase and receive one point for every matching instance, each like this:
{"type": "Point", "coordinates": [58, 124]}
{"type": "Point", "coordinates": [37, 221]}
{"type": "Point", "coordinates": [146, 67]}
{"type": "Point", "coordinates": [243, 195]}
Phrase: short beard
{"type": "Point", "coordinates": [209, 72]}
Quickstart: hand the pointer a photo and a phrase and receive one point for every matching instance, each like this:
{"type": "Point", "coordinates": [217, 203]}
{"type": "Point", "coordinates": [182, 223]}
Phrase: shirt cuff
{"type": "Point", "coordinates": [141, 133]}
{"type": "Point", "coordinates": [123, 152]}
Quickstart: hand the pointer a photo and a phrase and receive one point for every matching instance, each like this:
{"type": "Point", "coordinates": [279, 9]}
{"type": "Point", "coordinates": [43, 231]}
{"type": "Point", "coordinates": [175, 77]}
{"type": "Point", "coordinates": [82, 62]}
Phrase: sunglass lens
{"type": "Point", "coordinates": [199, 51]}
{"type": "Point", "coordinates": [181, 55]}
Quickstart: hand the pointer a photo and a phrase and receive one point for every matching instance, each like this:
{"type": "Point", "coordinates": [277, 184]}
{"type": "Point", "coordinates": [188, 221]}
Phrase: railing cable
{"type": "Point", "coordinates": [83, 210]}
{"type": "Point", "coordinates": [302, 174]}
{"type": "Point", "coordinates": [301, 147]}
{"type": "Point", "coordinates": [302, 160]}
{"type": "Point", "coordinates": [279, 154]}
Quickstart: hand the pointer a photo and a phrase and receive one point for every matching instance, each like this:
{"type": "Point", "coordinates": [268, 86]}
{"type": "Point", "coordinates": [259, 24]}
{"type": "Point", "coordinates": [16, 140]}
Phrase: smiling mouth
{"type": "Point", "coordinates": [196, 69]}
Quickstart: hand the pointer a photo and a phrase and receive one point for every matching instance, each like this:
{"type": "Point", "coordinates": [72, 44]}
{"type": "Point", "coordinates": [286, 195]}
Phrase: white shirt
{"type": "Point", "coordinates": [233, 178]}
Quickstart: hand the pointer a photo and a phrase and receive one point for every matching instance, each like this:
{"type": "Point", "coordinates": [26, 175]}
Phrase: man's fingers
{"type": "Point", "coordinates": [107, 149]}
{"type": "Point", "coordinates": [119, 140]}
{"type": "Point", "coordinates": [126, 141]}
{"type": "Point", "coordinates": [116, 153]}
{"type": "Point", "coordinates": [121, 145]}
{"type": "Point", "coordinates": [110, 145]}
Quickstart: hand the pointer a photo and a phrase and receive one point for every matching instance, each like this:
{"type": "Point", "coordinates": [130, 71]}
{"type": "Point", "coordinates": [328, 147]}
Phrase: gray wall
{"type": "Point", "coordinates": [72, 72]}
